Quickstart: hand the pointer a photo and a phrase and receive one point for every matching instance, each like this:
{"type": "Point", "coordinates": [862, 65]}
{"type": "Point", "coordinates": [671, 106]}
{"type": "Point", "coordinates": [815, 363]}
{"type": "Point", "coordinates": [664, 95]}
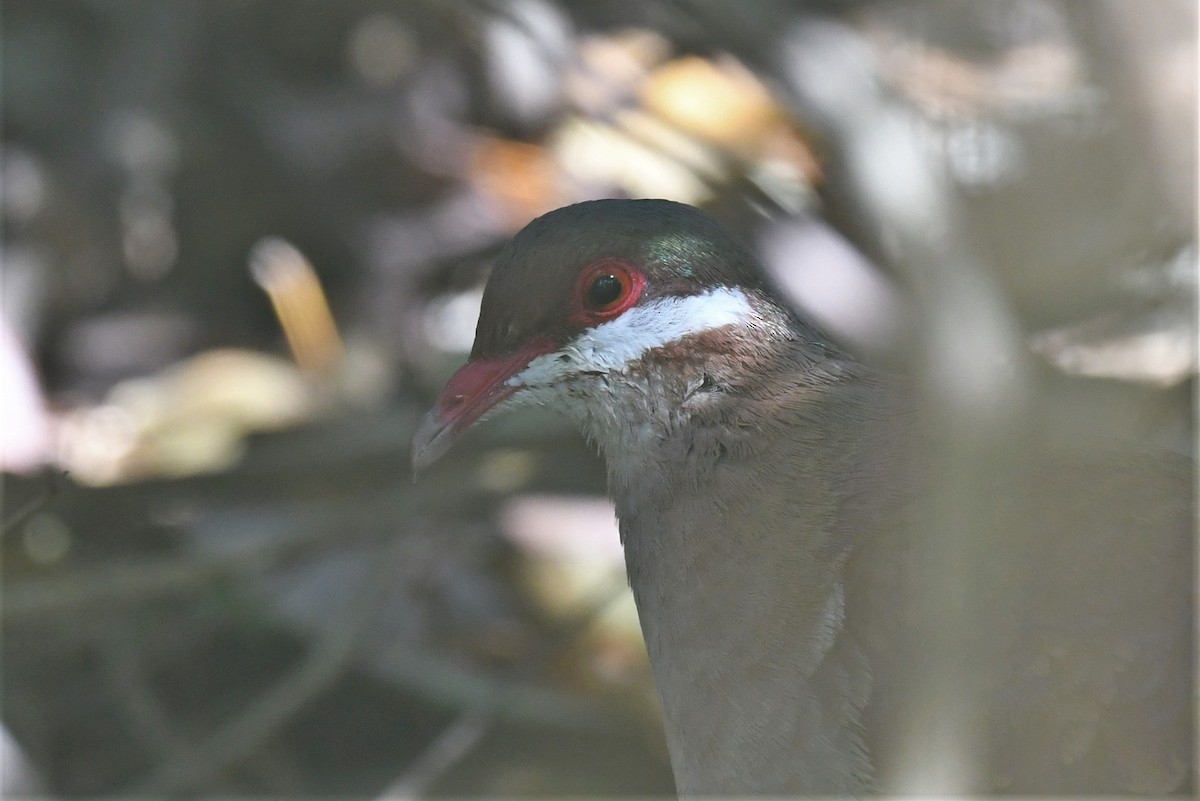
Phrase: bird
{"type": "Point", "coordinates": [764, 480]}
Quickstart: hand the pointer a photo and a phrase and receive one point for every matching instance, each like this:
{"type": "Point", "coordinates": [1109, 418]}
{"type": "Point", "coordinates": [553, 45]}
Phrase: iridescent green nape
{"type": "Point", "coordinates": [678, 250]}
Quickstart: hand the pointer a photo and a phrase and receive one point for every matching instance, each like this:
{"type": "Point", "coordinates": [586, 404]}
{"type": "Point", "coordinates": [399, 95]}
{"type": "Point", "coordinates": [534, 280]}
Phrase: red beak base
{"type": "Point", "coordinates": [477, 387]}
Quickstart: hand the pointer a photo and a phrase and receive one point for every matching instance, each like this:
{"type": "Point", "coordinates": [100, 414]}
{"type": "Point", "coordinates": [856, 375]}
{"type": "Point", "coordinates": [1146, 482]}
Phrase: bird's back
{"type": "Point", "coordinates": [1075, 633]}
{"type": "Point", "coordinates": [798, 657]}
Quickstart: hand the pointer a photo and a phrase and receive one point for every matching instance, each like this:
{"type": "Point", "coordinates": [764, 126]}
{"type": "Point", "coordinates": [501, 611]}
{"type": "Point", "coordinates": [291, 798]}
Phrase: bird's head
{"type": "Point", "coordinates": [616, 312]}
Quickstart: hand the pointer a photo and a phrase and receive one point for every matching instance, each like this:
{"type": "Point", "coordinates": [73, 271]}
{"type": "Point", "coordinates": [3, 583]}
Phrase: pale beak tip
{"type": "Point", "coordinates": [430, 441]}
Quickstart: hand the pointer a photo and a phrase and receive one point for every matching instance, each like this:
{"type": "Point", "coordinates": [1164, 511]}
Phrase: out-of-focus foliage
{"type": "Point", "coordinates": [244, 242]}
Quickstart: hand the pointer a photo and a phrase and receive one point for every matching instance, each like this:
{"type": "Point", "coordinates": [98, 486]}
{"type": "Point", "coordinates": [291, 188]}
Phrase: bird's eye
{"type": "Point", "coordinates": [606, 289]}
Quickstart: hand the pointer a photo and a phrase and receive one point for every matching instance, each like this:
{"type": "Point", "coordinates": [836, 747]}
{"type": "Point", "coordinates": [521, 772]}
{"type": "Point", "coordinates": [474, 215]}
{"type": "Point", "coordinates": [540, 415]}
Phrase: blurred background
{"type": "Point", "coordinates": [244, 244]}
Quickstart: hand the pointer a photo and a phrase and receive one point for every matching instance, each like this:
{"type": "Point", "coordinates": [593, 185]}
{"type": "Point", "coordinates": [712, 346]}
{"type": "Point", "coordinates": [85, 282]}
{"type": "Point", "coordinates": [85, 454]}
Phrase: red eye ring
{"type": "Point", "coordinates": [605, 289]}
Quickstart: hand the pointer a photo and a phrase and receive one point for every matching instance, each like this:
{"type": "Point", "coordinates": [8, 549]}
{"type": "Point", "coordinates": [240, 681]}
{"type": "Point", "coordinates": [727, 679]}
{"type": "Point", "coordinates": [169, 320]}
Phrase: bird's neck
{"type": "Point", "coordinates": [736, 531]}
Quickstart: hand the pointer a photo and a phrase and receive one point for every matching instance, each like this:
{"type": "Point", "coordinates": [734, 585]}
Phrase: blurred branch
{"type": "Point", "coordinates": [53, 483]}
{"type": "Point", "coordinates": [967, 353]}
{"type": "Point", "coordinates": [149, 721]}
{"type": "Point", "coordinates": [448, 749]}
{"type": "Point", "coordinates": [243, 734]}
{"type": "Point", "coordinates": [1147, 65]}
{"type": "Point", "coordinates": [460, 737]}
{"type": "Point", "coordinates": [137, 580]}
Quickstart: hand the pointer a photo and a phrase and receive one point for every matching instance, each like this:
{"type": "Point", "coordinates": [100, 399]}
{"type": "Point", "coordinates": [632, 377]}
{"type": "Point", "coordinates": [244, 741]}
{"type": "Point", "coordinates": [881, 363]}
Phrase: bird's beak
{"type": "Point", "coordinates": [477, 387]}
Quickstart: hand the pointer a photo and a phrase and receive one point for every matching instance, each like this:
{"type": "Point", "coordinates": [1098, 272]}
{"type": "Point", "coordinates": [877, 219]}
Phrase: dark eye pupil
{"type": "Point", "coordinates": [604, 290]}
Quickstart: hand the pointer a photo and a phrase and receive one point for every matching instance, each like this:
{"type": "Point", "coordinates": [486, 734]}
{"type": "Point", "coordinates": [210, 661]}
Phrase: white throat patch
{"type": "Point", "coordinates": [615, 345]}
